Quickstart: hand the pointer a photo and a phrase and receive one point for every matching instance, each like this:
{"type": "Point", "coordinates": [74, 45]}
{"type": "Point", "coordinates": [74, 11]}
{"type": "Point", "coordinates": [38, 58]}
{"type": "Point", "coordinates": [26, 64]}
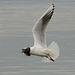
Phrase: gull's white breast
{"type": "Point", "coordinates": [39, 51]}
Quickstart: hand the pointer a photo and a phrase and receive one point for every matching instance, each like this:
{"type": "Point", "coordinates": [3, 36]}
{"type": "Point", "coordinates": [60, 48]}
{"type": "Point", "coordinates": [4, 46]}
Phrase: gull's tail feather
{"type": "Point", "coordinates": [45, 59]}
{"type": "Point", "coordinates": [53, 50]}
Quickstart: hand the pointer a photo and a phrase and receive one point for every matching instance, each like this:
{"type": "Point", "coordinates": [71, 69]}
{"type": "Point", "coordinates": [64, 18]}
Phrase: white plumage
{"type": "Point", "coordinates": [40, 47]}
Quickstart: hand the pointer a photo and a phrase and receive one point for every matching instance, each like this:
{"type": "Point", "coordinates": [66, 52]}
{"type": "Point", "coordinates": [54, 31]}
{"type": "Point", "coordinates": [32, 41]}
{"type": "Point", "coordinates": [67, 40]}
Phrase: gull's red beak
{"type": "Point", "coordinates": [22, 52]}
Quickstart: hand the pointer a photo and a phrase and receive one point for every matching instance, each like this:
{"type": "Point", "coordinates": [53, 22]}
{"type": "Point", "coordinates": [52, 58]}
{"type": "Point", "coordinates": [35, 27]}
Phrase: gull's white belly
{"type": "Point", "coordinates": [39, 51]}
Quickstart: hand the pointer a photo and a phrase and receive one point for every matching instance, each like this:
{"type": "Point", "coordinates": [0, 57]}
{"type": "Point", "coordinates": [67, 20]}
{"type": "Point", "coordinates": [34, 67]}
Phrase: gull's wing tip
{"type": "Point", "coordinates": [53, 6]}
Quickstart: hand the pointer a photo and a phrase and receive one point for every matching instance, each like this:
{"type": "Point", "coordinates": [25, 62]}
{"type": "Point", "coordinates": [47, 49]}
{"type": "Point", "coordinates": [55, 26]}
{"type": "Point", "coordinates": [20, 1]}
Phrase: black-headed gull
{"type": "Point", "coordinates": [40, 48]}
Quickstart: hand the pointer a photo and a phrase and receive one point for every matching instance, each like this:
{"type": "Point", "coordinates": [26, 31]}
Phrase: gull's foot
{"type": "Point", "coordinates": [51, 59]}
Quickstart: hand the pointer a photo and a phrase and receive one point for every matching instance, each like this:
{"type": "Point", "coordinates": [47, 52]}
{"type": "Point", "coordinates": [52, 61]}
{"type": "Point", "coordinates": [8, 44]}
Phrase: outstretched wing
{"type": "Point", "coordinates": [39, 27]}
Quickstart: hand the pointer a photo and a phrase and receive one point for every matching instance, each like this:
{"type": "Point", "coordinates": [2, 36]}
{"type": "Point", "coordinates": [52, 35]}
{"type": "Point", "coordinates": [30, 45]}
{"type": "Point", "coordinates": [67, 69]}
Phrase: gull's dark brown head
{"type": "Point", "coordinates": [26, 51]}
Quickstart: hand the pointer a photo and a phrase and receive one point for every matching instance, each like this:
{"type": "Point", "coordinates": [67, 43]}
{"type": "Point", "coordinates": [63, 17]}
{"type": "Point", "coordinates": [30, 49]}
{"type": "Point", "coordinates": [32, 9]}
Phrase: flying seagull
{"type": "Point", "coordinates": [40, 48]}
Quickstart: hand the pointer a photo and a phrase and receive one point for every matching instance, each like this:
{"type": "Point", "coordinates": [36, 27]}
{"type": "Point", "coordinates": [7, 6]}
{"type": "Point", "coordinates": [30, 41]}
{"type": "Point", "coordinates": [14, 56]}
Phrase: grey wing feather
{"type": "Point", "coordinates": [39, 28]}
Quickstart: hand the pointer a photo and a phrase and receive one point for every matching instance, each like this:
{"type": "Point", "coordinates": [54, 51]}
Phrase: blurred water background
{"type": "Point", "coordinates": [17, 18]}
